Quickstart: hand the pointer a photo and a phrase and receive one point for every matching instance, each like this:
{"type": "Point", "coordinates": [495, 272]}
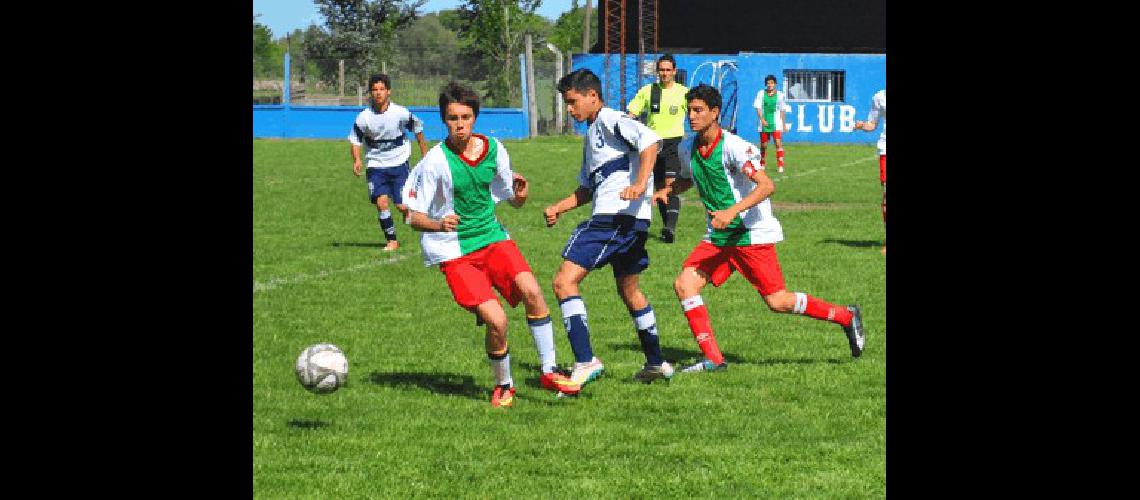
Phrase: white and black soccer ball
{"type": "Point", "coordinates": [322, 368]}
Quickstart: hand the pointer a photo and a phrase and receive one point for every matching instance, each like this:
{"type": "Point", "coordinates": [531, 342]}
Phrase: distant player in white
{"type": "Point", "coordinates": [381, 128]}
{"type": "Point", "coordinates": [452, 200]}
{"type": "Point", "coordinates": [770, 106]}
{"type": "Point", "coordinates": [879, 111]}
{"type": "Point", "coordinates": [617, 166]}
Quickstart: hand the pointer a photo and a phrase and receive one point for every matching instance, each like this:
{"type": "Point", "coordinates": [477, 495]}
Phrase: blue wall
{"type": "Point", "coordinates": [811, 121]}
{"type": "Point", "coordinates": [335, 122]}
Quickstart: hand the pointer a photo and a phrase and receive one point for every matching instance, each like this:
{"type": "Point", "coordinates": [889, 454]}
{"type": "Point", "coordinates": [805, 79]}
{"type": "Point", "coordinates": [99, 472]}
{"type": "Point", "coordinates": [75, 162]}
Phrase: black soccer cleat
{"type": "Point", "coordinates": [855, 335]}
{"type": "Point", "coordinates": [667, 236]}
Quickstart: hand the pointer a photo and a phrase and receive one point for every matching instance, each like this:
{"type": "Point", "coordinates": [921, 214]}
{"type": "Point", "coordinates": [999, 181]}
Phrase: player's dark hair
{"type": "Point", "coordinates": [769, 77]}
{"type": "Point", "coordinates": [379, 77]}
{"type": "Point", "coordinates": [666, 57]}
{"type": "Point", "coordinates": [580, 80]}
{"type": "Point", "coordinates": [454, 92]}
{"type": "Point", "coordinates": [706, 93]}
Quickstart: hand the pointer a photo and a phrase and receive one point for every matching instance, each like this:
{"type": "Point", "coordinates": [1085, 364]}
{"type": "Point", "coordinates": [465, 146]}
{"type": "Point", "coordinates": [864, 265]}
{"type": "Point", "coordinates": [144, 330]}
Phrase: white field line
{"type": "Point", "coordinates": [272, 283]}
{"type": "Point", "coordinates": [848, 164]}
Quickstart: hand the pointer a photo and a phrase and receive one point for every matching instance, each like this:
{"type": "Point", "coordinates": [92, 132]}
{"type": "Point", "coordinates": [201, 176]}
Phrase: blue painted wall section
{"type": "Point", "coordinates": [825, 122]}
{"type": "Point", "coordinates": [334, 122]}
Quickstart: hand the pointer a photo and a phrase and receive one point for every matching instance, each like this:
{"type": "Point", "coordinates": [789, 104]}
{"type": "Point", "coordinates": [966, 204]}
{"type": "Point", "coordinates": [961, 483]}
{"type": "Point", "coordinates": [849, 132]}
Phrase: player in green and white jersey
{"type": "Point", "coordinates": [742, 231]}
{"type": "Point", "coordinates": [457, 184]}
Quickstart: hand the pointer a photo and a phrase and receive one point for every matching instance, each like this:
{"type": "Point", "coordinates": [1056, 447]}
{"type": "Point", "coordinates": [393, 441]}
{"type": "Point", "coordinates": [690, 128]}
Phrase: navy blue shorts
{"type": "Point", "coordinates": [617, 240]}
{"type": "Point", "coordinates": [387, 181]}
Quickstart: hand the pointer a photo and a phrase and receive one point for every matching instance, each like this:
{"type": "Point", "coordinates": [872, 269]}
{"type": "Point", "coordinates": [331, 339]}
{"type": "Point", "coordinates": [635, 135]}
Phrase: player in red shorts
{"type": "Point", "coordinates": [879, 110]}
{"type": "Point", "coordinates": [742, 231]}
{"type": "Point", "coordinates": [770, 107]}
{"type": "Point", "coordinates": [457, 185]}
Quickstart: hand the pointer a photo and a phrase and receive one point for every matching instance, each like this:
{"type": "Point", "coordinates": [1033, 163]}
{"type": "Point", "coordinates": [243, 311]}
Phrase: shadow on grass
{"type": "Point", "coordinates": [674, 356]}
{"type": "Point", "coordinates": [439, 383]}
{"type": "Point", "coordinates": [799, 361]}
{"type": "Point", "coordinates": [307, 424]}
{"type": "Point", "coordinates": [855, 243]}
{"type": "Point", "coordinates": [371, 244]}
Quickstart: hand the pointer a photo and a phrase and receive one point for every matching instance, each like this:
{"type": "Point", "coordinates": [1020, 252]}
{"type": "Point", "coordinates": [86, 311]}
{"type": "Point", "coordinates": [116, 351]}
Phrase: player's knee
{"type": "Point", "coordinates": [382, 203]}
{"type": "Point", "coordinates": [562, 286]}
{"type": "Point", "coordinates": [780, 302]}
{"type": "Point", "coordinates": [684, 287]}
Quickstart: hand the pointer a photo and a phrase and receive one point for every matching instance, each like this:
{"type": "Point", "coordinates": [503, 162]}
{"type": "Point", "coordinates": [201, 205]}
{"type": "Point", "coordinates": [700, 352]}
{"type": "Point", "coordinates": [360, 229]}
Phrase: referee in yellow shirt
{"type": "Point", "coordinates": [666, 107]}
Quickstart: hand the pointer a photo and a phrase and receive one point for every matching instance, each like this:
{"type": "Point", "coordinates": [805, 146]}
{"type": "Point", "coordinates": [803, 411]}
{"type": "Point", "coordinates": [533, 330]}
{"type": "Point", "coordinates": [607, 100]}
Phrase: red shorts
{"type": "Point", "coordinates": [757, 263]}
{"type": "Point", "coordinates": [775, 135]}
{"type": "Point", "coordinates": [883, 169]}
{"type": "Point", "coordinates": [471, 276]}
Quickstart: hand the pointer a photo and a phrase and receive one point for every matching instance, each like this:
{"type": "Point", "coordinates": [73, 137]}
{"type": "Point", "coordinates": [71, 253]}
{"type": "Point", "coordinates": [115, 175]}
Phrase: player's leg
{"type": "Point", "coordinates": [705, 264]}
{"type": "Point", "coordinates": [628, 260]}
{"type": "Point", "coordinates": [512, 277]}
{"type": "Point", "coordinates": [587, 367]}
{"type": "Point", "coordinates": [377, 195]}
{"type": "Point", "coordinates": [471, 288]}
{"type": "Point", "coordinates": [764, 136]}
{"type": "Point", "coordinates": [760, 266]}
{"type": "Point", "coordinates": [778, 140]}
{"type": "Point", "coordinates": [391, 185]}
{"type": "Point", "coordinates": [670, 167]}
{"type": "Point", "coordinates": [658, 183]}
{"type": "Point", "coordinates": [398, 180]}
{"type": "Point", "coordinates": [883, 181]}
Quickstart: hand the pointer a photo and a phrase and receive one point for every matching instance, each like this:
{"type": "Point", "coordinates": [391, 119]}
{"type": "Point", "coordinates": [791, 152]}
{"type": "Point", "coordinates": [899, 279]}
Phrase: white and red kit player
{"type": "Point", "coordinates": [879, 111]}
{"type": "Point", "coordinates": [770, 107]}
{"type": "Point", "coordinates": [742, 231]}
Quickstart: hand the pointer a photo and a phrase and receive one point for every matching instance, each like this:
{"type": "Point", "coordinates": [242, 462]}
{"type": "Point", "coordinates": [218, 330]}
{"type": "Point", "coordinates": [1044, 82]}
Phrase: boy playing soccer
{"type": "Point", "coordinates": [770, 105]}
{"type": "Point", "coordinates": [381, 127]}
{"type": "Point", "coordinates": [617, 165]}
{"type": "Point", "coordinates": [742, 231]}
{"type": "Point", "coordinates": [453, 202]}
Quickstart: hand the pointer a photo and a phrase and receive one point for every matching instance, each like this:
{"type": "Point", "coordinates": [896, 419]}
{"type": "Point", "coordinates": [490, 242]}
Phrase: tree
{"type": "Point", "coordinates": [492, 30]}
{"type": "Point", "coordinates": [567, 31]}
{"type": "Point", "coordinates": [426, 47]}
{"type": "Point", "coordinates": [267, 56]}
{"type": "Point", "coordinates": [359, 32]}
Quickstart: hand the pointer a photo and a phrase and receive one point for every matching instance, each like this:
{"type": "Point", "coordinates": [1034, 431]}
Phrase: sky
{"type": "Point", "coordinates": [284, 16]}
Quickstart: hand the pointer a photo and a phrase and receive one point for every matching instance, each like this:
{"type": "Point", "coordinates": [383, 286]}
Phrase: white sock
{"type": "Point", "coordinates": [542, 330]}
{"type": "Point", "coordinates": [502, 369]}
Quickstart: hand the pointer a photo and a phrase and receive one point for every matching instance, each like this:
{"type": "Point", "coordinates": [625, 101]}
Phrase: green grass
{"type": "Point", "coordinates": [793, 417]}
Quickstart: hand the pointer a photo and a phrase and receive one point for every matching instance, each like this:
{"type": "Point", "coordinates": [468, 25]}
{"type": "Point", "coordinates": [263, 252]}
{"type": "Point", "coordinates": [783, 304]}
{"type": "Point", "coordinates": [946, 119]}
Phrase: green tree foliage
{"type": "Point", "coordinates": [426, 47]}
{"type": "Point", "coordinates": [267, 56]}
{"type": "Point", "coordinates": [492, 30]}
{"type": "Point", "coordinates": [359, 32]}
{"type": "Point", "coordinates": [567, 31]}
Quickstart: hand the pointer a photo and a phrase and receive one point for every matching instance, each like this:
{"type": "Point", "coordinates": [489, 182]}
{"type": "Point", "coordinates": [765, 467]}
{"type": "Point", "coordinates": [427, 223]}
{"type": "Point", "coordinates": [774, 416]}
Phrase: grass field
{"type": "Point", "coordinates": [793, 417]}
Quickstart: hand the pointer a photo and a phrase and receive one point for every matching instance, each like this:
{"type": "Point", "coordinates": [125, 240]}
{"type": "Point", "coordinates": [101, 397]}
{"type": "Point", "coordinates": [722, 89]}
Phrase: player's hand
{"type": "Point", "coordinates": [720, 219]}
{"type": "Point", "coordinates": [450, 222]}
{"type": "Point", "coordinates": [632, 193]}
{"type": "Point", "coordinates": [551, 214]}
{"type": "Point", "coordinates": [661, 195]}
{"type": "Point", "coordinates": [403, 210]}
{"type": "Point", "coordinates": [763, 123]}
{"type": "Point", "coordinates": [521, 186]}
{"type": "Point", "coordinates": [356, 166]}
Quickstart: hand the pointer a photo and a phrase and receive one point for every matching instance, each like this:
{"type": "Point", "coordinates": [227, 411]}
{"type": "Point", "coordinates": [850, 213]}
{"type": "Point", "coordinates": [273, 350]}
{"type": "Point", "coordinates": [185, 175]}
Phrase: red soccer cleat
{"type": "Point", "coordinates": [560, 383]}
{"type": "Point", "coordinates": [503, 396]}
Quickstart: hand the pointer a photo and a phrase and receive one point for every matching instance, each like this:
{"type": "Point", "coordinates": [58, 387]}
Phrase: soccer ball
{"type": "Point", "coordinates": [322, 368]}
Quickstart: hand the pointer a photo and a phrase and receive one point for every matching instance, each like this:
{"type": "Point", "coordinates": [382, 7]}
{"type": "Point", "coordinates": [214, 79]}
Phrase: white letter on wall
{"type": "Point", "coordinates": [800, 126]}
{"type": "Point", "coordinates": [846, 118]}
{"type": "Point", "coordinates": [826, 118]}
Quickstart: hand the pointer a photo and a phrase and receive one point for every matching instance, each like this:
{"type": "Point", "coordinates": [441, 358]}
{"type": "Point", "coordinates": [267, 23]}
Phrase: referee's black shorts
{"type": "Point", "coordinates": [668, 163]}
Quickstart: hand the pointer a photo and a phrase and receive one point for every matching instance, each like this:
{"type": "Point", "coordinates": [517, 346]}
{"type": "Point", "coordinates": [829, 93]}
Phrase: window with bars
{"type": "Point", "coordinates": [814, 85]}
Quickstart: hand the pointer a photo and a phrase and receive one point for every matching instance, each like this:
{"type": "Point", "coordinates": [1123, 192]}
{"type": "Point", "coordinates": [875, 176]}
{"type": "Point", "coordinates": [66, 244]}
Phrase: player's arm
{"type": "Point", "coordinates": [579, 197]}
{"type": "Point", "coordinates": [872, 119]}
{"type": "Point", "coordinates": [764, 188]}
{"type": "Point", "coordinates": [673, 185]}
{"type": "Point", "coordinates": [758, 105]}
{"type": "Point", "coordinates": [423, 143]}
{"type": "Point", "coordinates": [421, 222]}
{"type": "Point", "coordinates": [648, 157]}
{"type": "Point", "coordinates": [356, 164]}
{"type": "Point", "coordinates": [521, 189]}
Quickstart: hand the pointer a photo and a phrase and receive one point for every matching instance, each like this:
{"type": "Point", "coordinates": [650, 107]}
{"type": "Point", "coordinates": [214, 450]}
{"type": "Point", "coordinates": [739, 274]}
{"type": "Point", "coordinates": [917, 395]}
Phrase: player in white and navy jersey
{"type": "Point", "coordinates": [452, 200]}
{"type": "Point", "coordinates": [617, 166]}
{"type": "Point", "coordinates": [742, 231]}
{"type": "Point", "coordinates": [382, 129]}
{"type": "Point", "coordinates": [879, 111]}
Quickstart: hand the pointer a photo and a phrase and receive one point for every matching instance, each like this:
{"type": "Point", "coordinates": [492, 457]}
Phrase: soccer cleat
{"type": "Point", "coordinates": [560, 383]}
{"type": "Point", "coordinates": [649, 373]}
{"type": "Point", "coordinates": [854, 332]}
{"type": "Point", "coordinates": [585, 373]}
{"type": "Point", "coordinates": [780, 170]}
{"type": "Point", "coordinates": [504, 396]}
{"type": "Point", "coordinates": [705, 365]}
{"type": "Point", "coordinates": [392, 245]}
{"type": "Point", "coordinates": [667, 236]}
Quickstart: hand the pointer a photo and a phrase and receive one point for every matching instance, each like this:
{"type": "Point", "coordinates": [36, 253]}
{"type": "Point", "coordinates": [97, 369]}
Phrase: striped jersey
{"type": "Point", "coordinates": [879, 111]}
{"type": "Point", "coordinates": [722, 175]}
{"type": "Point", "coordinates": [611, 162]}
{"type": "Point", "coordinates": [448, 183]}
{"type": "Point", "coordinates": [384, 135]}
